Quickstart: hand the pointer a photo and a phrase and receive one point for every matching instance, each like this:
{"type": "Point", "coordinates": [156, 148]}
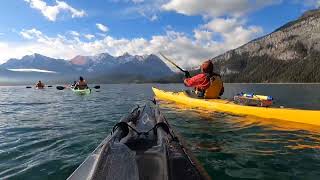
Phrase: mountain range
{"type": "Point", "coordinates": [102, 67]}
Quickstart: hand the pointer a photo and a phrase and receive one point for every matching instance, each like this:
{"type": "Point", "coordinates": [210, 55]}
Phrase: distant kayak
{"type": "Point", "coordinates": [141, 146]}
{"type": "Point", "coordinates": [81, 91]}
{"type": "Point", "coordinates": [294, 115]}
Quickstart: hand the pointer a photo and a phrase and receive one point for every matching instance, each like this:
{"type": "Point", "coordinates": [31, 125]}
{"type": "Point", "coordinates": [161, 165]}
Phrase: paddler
{"type": "Point", "coordinates": [81, 84]}
{"type": "Point", "coordinates": [207, 84]}
{"type": "Point", "coordinates": [40, 85]}
{"type": "Point", "coordinates": [74, 84]}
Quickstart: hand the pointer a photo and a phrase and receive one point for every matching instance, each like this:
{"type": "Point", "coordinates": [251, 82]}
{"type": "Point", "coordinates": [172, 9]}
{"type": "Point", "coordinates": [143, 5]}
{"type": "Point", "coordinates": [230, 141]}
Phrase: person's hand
{"type": "Point", "coordinates": [187, 74]}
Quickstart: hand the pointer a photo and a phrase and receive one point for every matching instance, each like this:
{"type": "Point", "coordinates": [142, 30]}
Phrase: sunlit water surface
{"type": "Point", "coordinates": [46, 134]}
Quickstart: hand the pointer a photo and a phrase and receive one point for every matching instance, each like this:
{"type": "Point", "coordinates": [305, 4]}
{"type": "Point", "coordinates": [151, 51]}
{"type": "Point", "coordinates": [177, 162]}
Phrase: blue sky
{"type": "Point", "coordinates": [187, 30]}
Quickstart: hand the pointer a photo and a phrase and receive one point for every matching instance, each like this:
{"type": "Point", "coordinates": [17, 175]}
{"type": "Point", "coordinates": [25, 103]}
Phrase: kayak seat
{"type": "Point", "coordinates": [192, 94]}
{"type": "Point", "coordinates": [141, 143]}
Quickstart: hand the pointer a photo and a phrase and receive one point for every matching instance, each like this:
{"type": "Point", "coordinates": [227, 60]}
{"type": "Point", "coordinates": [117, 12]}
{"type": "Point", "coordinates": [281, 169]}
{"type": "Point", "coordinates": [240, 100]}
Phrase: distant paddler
{"type": "Point", "coordinates": [74, 84]}
{"type": "Point", "coordinates": [81, 84]}
{"type": "Point", "coordinates": [40, 85]}
{"type": "Point", "coordinates": [206, 84]}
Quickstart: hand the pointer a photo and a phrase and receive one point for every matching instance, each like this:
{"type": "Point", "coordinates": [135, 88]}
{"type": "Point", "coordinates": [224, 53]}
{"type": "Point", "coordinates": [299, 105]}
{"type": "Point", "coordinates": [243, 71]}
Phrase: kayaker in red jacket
{"type": "Point", "coordinates": [207, 84]}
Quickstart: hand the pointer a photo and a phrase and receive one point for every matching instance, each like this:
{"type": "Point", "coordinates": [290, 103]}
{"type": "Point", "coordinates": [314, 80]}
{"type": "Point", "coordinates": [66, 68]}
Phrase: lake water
{"type": "Point", "coordinates": [46, 134]}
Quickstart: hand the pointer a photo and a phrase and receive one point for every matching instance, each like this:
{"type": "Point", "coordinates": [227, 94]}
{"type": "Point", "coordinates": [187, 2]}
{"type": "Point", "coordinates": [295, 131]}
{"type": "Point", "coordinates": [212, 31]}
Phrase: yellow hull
{"type": "Point", "coordinates": [294, 115]}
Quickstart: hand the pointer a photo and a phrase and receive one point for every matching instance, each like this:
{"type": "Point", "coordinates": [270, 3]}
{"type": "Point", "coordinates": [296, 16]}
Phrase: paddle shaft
{"type": "Point", "coordinates": [173, 63]}
{"type": "Point", "coordinates": [64, 87]}
{"type": "Point", "coordinates": [31, 86]}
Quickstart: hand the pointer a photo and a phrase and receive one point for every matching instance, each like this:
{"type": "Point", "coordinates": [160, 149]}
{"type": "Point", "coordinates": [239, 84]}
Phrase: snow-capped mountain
{"type": "Point", "coordinates": [38, 61]}
{"type": "Point", "coordinates": [146, 66]}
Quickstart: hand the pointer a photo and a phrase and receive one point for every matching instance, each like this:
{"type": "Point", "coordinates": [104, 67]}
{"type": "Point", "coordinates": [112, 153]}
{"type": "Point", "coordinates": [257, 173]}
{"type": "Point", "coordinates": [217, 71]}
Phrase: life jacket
{"type": "Point", "coordinates": [215, 89]}
{"type": "Point", "coordinates": [40, 85]}
{"type": "Point", "coordinates": [81, 85]}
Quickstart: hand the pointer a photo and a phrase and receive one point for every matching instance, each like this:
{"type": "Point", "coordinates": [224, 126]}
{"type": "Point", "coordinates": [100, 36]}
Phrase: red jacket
{"type": "Point", "coordinates": [200, 81]}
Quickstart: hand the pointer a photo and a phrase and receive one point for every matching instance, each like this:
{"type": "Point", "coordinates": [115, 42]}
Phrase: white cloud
{"type": "Point", "coordinates": [223, 25]}
{"type": "Point", "coordinates": [187, 51]}
{"type": "Point", "coordinates": [312, 3]}
{"type": "Point", "coordinates": [101, 34]}
{"type": "Point", "coordinates": [30, 34]}
{"type": "Point", "coordinates": [154, 18]}
{"type": "Point", "coordinates": [214, 37]}
{"type": "Point", "coordinates": [203, 36]}
{"type": "Point", "coordinates": [32, 70]}
{"type": "Point", "coordinates": [233, 31]}
{"type": "Point", "coordinates": [51, 12]}
{"type": "Point", "coordinates": [214, 8]}
{"type": "Point", "coordinates": [3, 45]}
{"type": "Point", "coordinates": [89, 36]}
{"type": "Point", "coordinates": [74, 33]}
{"type": "Point", "coordinates": [102, 27]}
{"type": "Point", "coordinates": [61, 36]}
{"type": "Point", "coordinates": [149, 9]}
{"type": "Point", "coordinates": [226, 26]}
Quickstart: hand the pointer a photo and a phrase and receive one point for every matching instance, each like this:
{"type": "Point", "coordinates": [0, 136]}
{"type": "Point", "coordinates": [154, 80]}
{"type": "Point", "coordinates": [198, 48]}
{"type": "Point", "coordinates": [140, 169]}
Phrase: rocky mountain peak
{"type": "Point", "coordinates": [79, 60]}
{"type": "Point", "coordinates": [103, 56]}
{"type": "Point", "coordinates": [310, 13]}
{"type": "Point", "coordinates": [275, 57]}
{"type": "Point", "coordinates": [126, 54]}
{"type": "Point", "coordinates": [34, 56]}
{"type": "Point", "coordinates": [294, 40]}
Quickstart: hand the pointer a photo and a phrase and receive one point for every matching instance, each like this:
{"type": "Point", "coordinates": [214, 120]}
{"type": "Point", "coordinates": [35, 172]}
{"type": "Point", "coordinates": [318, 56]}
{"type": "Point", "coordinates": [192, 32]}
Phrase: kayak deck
{"type": "Point", "coordinates": [294, 115]}
{"type": "Point", "coordinates": [81, 91]}
{"type": "Point", "coordinates": [141, 146]}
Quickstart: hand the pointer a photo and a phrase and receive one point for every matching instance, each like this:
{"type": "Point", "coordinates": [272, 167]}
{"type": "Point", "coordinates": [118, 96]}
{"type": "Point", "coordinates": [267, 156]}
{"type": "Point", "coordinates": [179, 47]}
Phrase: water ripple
{"type": "Point", "coordinates": [47, 134]}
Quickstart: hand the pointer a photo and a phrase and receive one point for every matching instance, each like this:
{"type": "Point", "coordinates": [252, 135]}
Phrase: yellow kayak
{"type": "Point", "coordinates": [294, 115]}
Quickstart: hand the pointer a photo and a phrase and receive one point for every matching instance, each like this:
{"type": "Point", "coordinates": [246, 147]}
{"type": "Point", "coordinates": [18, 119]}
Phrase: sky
{"type": "Point", "coordinates": [188, 31]}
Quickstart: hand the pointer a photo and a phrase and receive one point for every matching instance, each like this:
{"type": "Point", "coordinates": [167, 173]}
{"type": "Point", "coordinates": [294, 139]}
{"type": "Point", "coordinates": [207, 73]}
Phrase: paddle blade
{"type": "Point", "coordinates": [28, 87]}
{"type": "Point", "coordinates": [97, 87]}
{"type": "Point", "coordinates": [60, 87]}
{"type": "Point", "coordinates": [49, 86]}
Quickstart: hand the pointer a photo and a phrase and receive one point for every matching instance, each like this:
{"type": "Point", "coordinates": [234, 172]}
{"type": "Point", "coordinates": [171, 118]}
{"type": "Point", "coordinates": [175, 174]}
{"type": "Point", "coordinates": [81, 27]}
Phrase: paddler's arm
{"type": "Point", "coordinates": [195, 80]}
